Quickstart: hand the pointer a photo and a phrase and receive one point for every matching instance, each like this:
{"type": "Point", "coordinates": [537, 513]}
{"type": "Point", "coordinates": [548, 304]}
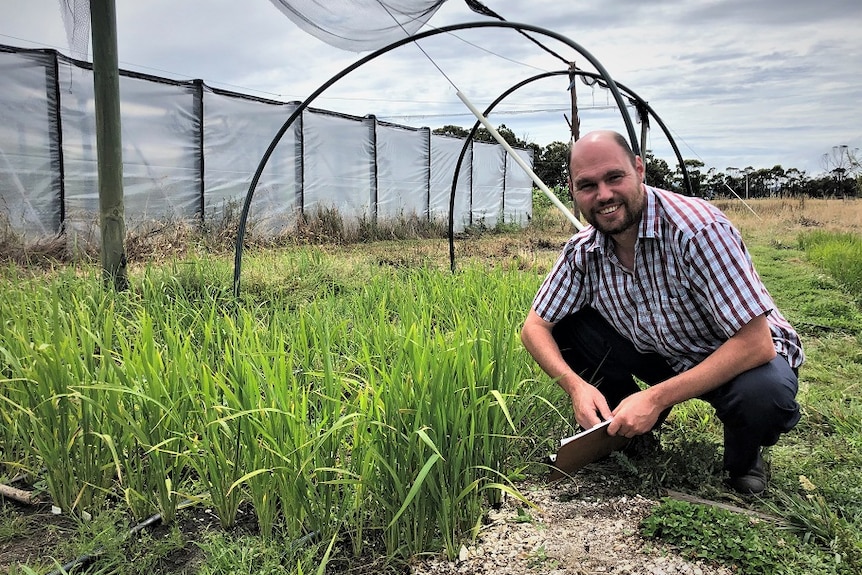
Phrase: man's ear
{"type": "Point", "coordinates": [640, 169]}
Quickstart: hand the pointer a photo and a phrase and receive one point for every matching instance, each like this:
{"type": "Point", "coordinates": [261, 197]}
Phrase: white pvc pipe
{"type": "Point", "coordinates": [539, 183]}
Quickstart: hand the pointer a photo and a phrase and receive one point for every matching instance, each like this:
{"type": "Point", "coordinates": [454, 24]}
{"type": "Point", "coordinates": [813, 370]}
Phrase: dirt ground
{"type": "Point", "coordinates": [582, 526]}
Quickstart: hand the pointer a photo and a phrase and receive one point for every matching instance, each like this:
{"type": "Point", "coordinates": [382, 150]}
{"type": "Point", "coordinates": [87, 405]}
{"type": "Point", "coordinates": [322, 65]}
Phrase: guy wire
{"type": "Point", "coordinates": [421, 49]}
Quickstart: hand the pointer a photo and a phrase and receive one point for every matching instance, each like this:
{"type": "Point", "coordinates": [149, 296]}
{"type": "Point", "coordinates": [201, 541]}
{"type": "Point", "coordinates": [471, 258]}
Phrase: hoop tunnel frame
{"type": "Point", "coordinates": [603, 74]}
{"type": "Point", "coordinates": [633, 96]}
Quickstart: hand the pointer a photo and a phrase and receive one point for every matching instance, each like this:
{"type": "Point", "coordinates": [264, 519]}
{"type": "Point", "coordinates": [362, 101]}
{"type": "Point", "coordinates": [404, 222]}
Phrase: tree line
{"type": "Point", "coordinates": [842, 176]}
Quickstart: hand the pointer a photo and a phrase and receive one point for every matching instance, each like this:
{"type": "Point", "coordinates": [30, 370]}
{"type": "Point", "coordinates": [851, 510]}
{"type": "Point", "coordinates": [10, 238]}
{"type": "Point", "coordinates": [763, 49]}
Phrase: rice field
{"type": "Point", "coordinates": [396, 407]}
{"type": "Point", "coordinates": [359, 396]}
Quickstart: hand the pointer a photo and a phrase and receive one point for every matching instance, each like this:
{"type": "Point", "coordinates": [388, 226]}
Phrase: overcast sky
{"type": "Point", "coordinates": [738, 83]}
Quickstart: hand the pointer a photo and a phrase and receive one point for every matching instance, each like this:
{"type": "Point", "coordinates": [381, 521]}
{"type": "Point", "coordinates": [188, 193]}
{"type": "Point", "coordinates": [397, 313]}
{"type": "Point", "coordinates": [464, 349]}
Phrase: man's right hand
{"type": "Point", "coordinates": [588, 403]}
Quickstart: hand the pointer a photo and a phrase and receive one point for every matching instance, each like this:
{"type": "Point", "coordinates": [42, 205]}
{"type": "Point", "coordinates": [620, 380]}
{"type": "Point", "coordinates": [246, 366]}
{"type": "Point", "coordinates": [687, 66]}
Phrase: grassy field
{"type": "Point", "coordinates": [366, 405]}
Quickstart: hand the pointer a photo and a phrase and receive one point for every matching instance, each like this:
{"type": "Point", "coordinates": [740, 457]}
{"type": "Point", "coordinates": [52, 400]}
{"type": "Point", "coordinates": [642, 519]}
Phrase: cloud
{"type": "Point", "coordinates": [737, 83]}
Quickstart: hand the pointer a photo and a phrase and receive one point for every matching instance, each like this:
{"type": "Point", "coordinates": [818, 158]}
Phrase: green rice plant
{"type": "Point", "coordinates": [307, 431]}
{"type": "Point", "coordinates": [294, 424]}
{"type": "Point", "coordinates": [389, 409]}
{"type": "Point", "coordinates": [54, 362]}
{"type": "Point", "coordinates": [150, 406]}
{"type": "Point", "coordinates": [443, 429]}
{"type": "Point", "coordinates": [216, 446]}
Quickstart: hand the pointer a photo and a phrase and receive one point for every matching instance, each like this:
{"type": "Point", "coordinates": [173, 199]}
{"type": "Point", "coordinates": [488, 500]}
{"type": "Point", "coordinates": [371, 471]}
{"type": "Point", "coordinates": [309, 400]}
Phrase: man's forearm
{"type": "Point", "coordinates": [750, 347]}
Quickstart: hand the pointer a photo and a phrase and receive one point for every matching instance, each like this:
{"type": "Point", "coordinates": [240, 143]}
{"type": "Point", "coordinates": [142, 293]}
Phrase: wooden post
{"type": "Point", "coordinates": [643, 115]}
{"type": "Point", "coordinates": [109, 148]}
{"type": "Point", "coordinates": [575, 125]}
{"type": "Point", "coordinates": [576, 119]}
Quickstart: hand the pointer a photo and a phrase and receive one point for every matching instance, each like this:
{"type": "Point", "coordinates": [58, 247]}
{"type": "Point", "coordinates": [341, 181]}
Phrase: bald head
{"type": "Point", "coordinates": [603, 141]}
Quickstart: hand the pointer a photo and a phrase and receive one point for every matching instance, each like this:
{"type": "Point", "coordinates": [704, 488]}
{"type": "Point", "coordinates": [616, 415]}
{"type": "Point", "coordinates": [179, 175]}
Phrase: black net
{"type": "Point", "coordinates": [76, 19]}
{"type": "Point", "coordinates": [359, 25]}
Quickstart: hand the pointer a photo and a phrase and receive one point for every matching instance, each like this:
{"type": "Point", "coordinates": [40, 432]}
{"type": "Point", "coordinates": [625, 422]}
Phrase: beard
{"type": "Point", "coordinates": [632, 213]}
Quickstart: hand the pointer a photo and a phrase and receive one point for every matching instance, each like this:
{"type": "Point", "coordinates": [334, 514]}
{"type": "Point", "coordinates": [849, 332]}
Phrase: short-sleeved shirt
{"type": "Point", "coordinates": [693, 285]}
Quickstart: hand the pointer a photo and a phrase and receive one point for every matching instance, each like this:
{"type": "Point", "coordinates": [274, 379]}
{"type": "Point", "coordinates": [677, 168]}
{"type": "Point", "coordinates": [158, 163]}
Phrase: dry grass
{"type": "Point", "coordinates": [782, 220]}
{"type": "Point", "coordinates": [408, 241]}
{"type": "Point", "coordinates": [40, 253]}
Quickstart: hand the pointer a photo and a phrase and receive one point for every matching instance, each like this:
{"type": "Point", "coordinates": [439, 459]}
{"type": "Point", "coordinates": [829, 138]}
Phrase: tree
{"type": "Point", "coordinates": [483, 135]}
{"type": "Point", "coordinates": [658, 173]}
{"type": "Point", "coordinates": [551, 165]}
{"type": "Point", "coordinates": [713, 186]}
{"type": "Point", "coordinates": [844, 165]}
{"type": "Point", "coordinates": [450, 130]}
{"type": "Point", "coordinates": [694, 176]}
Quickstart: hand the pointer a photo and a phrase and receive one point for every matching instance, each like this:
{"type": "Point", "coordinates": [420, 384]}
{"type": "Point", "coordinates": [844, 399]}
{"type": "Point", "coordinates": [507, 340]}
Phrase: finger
{"type": "Point", "coordinates": [592, 420]}
{"type": "Point", "coordinates": [604, 409]}
{"type": "Point", "coordinates": [614, 428]}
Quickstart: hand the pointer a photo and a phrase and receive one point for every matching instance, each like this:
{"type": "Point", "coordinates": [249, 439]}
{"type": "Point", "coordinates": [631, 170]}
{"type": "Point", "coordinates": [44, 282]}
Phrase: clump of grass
{"type": "Point", "coordinates": [813, 519]}
{"type": "Point", "coordinates": [839, 253]}
{"type": "Point", "coordinates": [742, 542]}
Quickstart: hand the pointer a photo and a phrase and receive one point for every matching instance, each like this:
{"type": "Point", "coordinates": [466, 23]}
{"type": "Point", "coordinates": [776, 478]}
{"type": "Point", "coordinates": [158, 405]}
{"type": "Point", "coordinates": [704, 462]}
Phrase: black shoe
{"type": "Point", "coordinates": [753, 481]}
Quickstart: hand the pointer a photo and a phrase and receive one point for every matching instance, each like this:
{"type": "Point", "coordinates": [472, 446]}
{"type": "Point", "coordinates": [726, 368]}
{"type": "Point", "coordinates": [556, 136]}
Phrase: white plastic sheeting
{"type": "Point", "coordinates": [26, 152]}
{"type": "Point", "coordinates": [403, 167]}
{"type": "Point", "coordinates": [518, 191]}
{"type": "Point", "coordinates": [237, 133]}
{"type": "Point", "coordinates": [160, 151]}
{"type": "Point", "coordinates": [444, 159]}
{"type": "Point", "coordinates": [359, 25]}
{"type": "Point", "coordinates": [190, 152]}
{"type": "Point", "coordinates": [488, 174]}
{"type": "Point", "coordinates": [339, 165]}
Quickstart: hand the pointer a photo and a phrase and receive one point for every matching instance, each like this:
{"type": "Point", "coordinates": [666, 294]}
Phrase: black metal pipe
{"type": "Point", "coordinates": [638, 102]}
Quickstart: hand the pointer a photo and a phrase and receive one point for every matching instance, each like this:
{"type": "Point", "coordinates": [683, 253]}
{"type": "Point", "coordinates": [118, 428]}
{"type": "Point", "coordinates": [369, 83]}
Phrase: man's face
{"type": "Point", "coordinates": [606, 186]}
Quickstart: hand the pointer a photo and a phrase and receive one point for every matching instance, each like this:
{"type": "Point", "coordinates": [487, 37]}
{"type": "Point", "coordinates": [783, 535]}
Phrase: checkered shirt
{"type": "Point", "coordinates": [693, 286]}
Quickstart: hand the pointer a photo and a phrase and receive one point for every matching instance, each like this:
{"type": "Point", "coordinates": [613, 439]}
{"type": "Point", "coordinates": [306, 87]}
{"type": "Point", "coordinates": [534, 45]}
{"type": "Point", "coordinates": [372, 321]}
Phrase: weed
{"type": "Point", "coordinates": [538, 559]}
{"type": "Point", "coordinates": [713, 534]}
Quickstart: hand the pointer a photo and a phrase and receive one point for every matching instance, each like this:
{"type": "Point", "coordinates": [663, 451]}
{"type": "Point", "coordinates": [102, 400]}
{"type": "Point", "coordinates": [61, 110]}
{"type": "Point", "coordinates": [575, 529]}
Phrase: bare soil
{"type": "Point", "coordinates": [583, 526]}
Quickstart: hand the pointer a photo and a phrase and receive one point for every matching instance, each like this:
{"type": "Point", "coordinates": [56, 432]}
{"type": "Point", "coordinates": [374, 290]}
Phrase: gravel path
{"type": "Point", "coordinates": [577, 530]}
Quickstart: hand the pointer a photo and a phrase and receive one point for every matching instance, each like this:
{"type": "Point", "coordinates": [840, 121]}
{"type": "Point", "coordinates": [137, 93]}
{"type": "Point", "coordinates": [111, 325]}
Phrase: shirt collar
{"type": "Point", "coordinates": [651, 222]}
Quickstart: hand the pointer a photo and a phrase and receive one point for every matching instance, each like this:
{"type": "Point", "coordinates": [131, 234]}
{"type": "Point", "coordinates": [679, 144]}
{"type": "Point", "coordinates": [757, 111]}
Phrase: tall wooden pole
{"type": "Point", "coordinates": [576, 117]}
{"type": "Point", "coordinates": [575, 125]}
{"type": "Point", "coordinates": [109, 148]}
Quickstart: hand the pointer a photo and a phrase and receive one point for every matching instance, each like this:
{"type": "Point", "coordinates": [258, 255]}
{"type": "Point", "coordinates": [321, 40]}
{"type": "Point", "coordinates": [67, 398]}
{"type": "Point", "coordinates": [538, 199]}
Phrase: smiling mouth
{"type": "Point", "coordinates": [608, 210]}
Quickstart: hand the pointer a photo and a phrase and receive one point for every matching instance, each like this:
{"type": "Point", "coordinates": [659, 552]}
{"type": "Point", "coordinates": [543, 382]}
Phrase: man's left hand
{"type": "Point", "coordinates": [635, 415]}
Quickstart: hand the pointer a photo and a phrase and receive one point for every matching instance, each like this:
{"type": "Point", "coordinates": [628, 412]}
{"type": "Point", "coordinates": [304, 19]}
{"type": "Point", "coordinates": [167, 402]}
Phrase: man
{"type": "Point", "coordinates": [661, 287]}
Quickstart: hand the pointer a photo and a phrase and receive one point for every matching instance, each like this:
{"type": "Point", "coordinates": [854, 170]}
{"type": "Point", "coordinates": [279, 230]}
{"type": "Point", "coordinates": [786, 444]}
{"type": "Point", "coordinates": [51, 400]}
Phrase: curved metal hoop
{"type": "Point", "coordinates": [411, 39]}
{"type": "Point", "coordinates": [639, 102]}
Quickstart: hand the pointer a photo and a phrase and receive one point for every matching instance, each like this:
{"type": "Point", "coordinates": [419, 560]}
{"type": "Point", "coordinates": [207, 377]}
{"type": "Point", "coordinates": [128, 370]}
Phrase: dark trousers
{"type": "Point", "coordinates": [755, 407]}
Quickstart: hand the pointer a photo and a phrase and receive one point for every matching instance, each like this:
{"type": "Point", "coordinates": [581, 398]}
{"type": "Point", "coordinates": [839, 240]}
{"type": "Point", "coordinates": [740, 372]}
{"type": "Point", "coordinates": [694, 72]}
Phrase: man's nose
{"type": "Point", "coordinates": [603, 191]}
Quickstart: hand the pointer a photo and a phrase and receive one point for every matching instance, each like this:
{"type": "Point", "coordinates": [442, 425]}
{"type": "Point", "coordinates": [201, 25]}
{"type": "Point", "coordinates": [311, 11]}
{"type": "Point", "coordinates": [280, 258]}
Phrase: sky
{"type": "Point", "coordinates": [737, 83]}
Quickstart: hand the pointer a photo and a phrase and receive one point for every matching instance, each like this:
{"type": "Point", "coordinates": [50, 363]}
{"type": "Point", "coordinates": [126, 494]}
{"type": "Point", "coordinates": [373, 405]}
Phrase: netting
{"type": "Point", "coordinates": [359, 25]}
{"type": "Point", "coordinates": [76, 19]}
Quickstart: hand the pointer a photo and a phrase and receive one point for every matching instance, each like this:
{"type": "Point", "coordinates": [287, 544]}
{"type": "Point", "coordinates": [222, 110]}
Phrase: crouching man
{"type": "Point", "coordinates": [661, 287]}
